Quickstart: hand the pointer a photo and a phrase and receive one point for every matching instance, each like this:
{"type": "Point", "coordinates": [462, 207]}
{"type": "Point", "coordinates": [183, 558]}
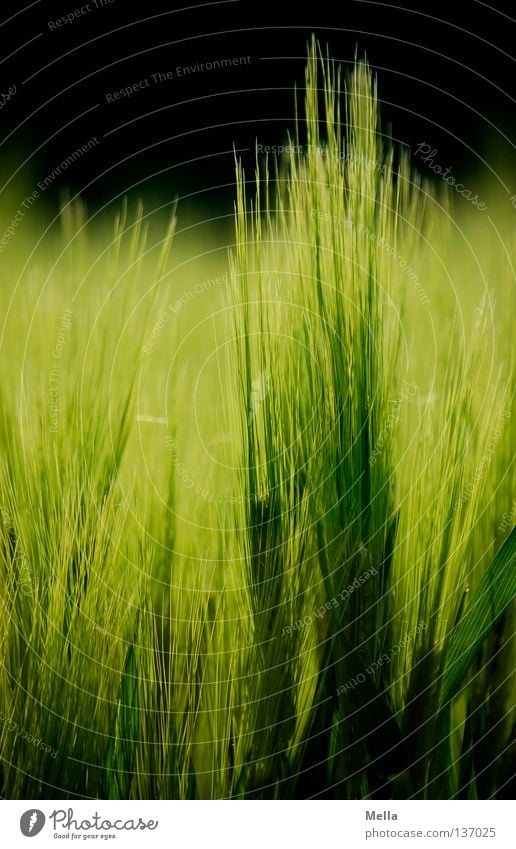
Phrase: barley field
{"type": "Point", "coordinates": [256, 503]}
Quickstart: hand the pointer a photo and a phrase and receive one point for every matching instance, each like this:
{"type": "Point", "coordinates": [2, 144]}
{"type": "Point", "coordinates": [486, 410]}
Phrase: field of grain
{"type": "Point", "coordinates": [256, 505]}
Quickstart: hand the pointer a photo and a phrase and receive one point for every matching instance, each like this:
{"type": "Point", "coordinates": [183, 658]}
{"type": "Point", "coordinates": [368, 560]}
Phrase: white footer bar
{"type": "Point", "coordinates": [257, 824]}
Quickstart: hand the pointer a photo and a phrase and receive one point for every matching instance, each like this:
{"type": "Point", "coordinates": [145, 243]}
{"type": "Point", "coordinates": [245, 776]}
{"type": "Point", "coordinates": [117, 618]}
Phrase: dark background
{"type": "Point", "coordinates": [445, 77]}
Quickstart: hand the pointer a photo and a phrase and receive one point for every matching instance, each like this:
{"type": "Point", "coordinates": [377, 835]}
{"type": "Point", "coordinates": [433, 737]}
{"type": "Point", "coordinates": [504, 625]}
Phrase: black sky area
{"type": "Point", "coordinates": [445, 77]}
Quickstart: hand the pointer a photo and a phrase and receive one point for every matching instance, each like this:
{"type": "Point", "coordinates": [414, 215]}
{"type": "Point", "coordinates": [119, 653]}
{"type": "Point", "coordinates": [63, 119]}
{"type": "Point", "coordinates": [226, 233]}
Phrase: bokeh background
{"type": "Point", "coordinates": [445, 77]}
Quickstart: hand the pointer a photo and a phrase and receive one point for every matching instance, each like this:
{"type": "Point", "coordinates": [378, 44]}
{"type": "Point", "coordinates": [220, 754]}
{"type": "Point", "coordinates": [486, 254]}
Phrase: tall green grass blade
{"type": "Point", "coordinates": [494, 593]}
{"type": "Point", "coordinates": [121, 750]}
